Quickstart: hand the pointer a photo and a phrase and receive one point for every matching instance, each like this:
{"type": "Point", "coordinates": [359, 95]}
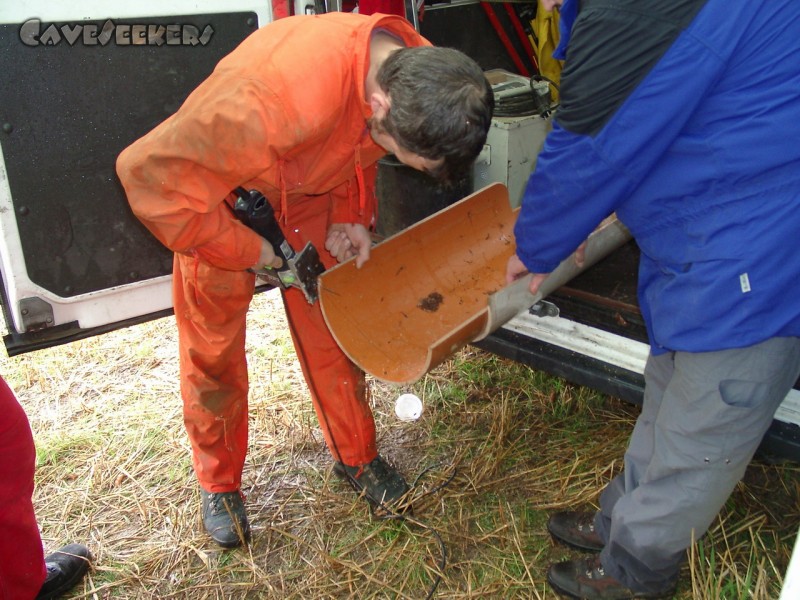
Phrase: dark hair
{"type": "Point", "coordinates": [441, 106]}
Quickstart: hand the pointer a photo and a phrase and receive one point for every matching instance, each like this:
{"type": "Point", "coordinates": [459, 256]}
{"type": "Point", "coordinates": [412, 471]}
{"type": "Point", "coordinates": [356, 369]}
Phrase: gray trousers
{"type": "Point", "coordinates": [703, 417]}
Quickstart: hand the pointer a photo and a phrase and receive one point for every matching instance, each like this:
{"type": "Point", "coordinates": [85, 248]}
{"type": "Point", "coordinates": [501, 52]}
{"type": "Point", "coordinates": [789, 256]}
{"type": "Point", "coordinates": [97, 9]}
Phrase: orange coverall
{"type": "Point", "coordinates": [284, 113]}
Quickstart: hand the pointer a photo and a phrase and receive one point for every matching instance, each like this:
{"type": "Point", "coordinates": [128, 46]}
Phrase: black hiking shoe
{"type": "Point", "coordinates": [225, 519]}
{"type": "Point", "coordinates": [575, 529]}
{"type": "Point", "coordinates": [585, 579]}
{"type": "Point", "coordinates": [65, 568]}
{"type": "Point", "coordinates": [381, 484]}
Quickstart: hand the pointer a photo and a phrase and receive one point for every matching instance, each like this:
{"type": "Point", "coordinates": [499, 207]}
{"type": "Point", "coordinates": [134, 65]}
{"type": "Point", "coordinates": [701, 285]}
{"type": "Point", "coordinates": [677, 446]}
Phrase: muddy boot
{"type": "Point", "coordinates": [225, 519]}
{"type": "Point", "coordinates": [575, 529]}
{"type": "Point", "coordinates": [382, 485]}
{"type": "Point", "coordinates": [65, 568]}
{"type": "Point", "coordinates": [585, 579]}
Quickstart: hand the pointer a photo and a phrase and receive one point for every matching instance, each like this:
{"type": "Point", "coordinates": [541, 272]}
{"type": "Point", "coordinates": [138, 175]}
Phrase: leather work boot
{"type": "Point", "coordinates": [381, 484]}
{"type": "Point", "coordinates": [586, 580]}
{"type": "Point", "coordinates": [65, 568]}
{"type": "Point", "coordinates": [224, 518]}
{"type": "Point", "coordinates": [575, 529]}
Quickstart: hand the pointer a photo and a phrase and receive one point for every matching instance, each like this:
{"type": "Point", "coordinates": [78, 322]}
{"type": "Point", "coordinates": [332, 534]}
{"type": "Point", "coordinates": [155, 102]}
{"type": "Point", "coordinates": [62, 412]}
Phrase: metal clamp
{"type": "Point", "coordinates": [543, 308]}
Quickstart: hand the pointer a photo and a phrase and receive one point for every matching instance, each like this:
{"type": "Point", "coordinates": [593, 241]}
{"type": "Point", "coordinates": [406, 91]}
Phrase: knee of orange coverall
{"type": "Point", "coordinates": [211, 309]}
{"type": "Point", "coordinates": [219, 445]}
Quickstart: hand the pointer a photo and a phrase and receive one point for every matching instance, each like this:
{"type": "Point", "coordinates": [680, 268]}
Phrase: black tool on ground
{"type": "Point", "coordinates": [300, 269]}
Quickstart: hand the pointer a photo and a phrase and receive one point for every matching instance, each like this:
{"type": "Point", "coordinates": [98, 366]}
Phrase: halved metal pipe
{"type": "Point", "coordinates": [437, 286]}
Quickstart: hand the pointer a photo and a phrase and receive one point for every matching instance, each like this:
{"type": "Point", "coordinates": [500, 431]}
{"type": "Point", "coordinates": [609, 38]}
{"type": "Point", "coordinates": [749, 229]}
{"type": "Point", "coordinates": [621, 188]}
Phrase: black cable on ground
{"type": "Point", "coordinates": [391, 514]}
{"type": "Point", "coordinates": [394, 515]}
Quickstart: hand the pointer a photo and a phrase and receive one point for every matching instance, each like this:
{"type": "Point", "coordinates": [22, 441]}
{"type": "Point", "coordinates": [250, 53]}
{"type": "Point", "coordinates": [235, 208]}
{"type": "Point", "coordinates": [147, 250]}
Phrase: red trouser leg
{"type": "Point", "coordinates": [22, 569]}
{"type": "Point", "coordinates": [337, 386]}
{"type": "Point", "coordinates": [211, 310]}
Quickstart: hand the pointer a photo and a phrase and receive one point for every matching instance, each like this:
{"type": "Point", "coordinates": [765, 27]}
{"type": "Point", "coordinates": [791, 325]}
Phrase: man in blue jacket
{"type": "Point", "coordinates": [683, 117]}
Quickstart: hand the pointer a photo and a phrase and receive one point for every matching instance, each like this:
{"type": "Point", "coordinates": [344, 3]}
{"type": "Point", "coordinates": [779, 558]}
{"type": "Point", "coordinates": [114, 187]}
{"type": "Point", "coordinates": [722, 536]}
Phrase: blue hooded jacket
{"type": "Point", "coordinates": [683, 116]}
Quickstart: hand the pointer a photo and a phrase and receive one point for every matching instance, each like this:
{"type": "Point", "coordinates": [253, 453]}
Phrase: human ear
{"type": "Point", "coordinates": [379, 102]}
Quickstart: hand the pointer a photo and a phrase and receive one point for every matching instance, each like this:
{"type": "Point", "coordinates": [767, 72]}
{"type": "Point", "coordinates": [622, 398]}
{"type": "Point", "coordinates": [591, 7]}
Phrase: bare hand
{"type": "Point", "coordinates": [536, 281]}
{"type": "Point", "coordinates": [580, 254]}
{"type": "Point", "coordinates": [516, 269]}
{"type": "Point", "coordinates": [346, 240]}
{"type": "Point", "coordinates": [267, 259]}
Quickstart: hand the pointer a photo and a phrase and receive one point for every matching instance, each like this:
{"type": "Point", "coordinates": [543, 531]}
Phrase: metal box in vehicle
{"type": "Point", "coordinates": [510, 153]}
{"type": "Point", "coordinates": [514, 140]}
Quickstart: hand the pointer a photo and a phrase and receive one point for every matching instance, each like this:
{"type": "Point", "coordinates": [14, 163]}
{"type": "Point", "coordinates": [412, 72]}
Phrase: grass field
{"type": "Point", "coordinates": [498, 448]}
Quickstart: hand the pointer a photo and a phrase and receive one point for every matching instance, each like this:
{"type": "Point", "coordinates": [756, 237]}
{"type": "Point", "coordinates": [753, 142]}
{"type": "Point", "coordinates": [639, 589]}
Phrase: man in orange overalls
{"type": "Point", "coordinates": [306, 132]}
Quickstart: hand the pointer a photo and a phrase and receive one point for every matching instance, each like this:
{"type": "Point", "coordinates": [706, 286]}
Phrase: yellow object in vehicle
{"type": "Point", "coordinates": [545, 27]}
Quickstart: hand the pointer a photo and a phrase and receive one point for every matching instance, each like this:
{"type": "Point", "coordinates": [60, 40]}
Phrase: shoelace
{"type": "Point", "coordinates": [217, 502]}
{"type": "Point", "coordinates": [595, 569]}
{"type": "Point", "coordinates": [586, 527]}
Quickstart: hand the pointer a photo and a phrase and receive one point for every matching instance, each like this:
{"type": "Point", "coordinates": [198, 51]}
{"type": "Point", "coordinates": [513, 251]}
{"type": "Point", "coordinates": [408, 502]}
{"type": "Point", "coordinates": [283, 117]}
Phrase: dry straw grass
{"type": "Point", "coordinates": [507, 444]}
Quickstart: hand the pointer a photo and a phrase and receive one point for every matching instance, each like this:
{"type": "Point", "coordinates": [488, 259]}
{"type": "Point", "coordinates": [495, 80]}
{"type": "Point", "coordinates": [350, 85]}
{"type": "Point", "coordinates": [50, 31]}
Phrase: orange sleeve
{"type": "Point", "coordinates": [177, 176]}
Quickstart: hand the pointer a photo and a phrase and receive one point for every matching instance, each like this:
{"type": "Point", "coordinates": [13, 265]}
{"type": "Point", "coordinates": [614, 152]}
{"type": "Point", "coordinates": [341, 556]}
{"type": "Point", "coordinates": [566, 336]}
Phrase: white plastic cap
{"type": "Point", "coordinates": [408, 407]}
